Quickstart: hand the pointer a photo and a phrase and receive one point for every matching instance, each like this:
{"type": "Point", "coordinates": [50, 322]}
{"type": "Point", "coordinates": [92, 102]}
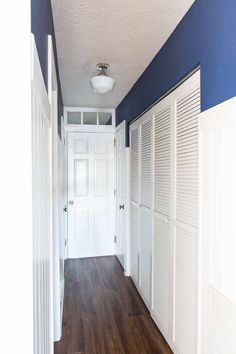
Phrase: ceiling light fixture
{"type": "Point", "coordinates": [102, 83]}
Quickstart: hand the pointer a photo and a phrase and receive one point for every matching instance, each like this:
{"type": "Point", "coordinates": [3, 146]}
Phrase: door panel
{"type": "Point", "coordinates": [135, 164]}
{"type": "Point", "coordinates": [186, 286]}
{"type": "Point", "coordinates": [90, 194]}
{"type": "Point", "coordinates": [162, 272]}
{"type": "Point", "coordinates": [146, 255]}
{"type": "Point", "coordinates": [135, 243]}
{"type": "Point", "coordinates": [185, 311]}
{"type": "Point", "coordinates": [146, 163]}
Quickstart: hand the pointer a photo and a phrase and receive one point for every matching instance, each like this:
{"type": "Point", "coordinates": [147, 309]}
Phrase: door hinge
{"type": "Point", "coordinates": [114, 142]}
{"type": "Point", "coordinates": [114, 192]}
{"type": "Point", "coordinates": [115, 239]}
{"type": "Point", "coordinates": [65, 243]}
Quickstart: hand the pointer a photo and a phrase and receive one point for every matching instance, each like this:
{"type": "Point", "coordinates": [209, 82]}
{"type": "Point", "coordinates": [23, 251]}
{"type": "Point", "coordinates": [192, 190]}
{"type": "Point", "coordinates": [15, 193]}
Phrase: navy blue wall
{"type": "Point", "coordinates": [41, 26]}
{"type": "Point", "coordinates": [205, 36]}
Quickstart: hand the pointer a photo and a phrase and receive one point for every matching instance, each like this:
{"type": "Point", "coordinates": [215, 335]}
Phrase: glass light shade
{"type": "Point", "coordinates": [102, 83]}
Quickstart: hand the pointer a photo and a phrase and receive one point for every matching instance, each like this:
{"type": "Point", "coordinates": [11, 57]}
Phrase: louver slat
{"type": "Point", "coordinates": [134, 146]}
{"type": "Point", "coordinates": [146, 163]}
{"type": "Point", "coordinates": [187, 110]}
{"type": "Point", "coordinates": [162, 162]}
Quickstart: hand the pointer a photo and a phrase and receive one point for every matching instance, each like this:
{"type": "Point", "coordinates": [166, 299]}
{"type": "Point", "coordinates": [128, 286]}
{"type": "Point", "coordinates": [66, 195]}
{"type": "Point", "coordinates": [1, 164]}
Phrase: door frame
{"type": "Point", "coordinates": [127, 200]}
{"type": "Point", "coordinates": [53, 98]}
{"type": "Point", "coordinates": [71, 128]}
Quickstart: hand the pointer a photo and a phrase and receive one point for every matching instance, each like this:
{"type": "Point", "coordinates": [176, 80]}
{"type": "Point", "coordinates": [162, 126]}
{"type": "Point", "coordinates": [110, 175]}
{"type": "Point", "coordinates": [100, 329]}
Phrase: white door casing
{"type": "Point", "coordinates": [62, 217]}
{"type": "Point", "coordinates": [121, 205]}
{"type": "Point", "coordinates": [90, 194]}
{"type": "Point", "coordinates": [58, 277]}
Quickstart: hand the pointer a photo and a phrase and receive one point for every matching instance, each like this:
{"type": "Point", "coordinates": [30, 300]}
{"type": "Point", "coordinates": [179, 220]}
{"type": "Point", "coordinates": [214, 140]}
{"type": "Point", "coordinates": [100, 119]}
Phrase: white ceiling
{"type": "Point", "coordinates": [127, 34]}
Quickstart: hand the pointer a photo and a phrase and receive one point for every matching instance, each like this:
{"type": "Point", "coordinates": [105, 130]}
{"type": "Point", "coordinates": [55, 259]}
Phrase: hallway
{"type": "Point", "coordinates": [103, 312]}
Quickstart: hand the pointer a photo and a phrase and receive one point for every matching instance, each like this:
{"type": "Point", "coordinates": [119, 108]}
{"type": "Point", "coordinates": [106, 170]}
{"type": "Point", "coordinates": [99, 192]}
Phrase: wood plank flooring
{"type": "Point", "coordinates": [103, 312]}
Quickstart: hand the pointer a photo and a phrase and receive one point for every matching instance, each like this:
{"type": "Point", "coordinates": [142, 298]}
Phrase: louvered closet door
{"type": "Point", "coordinates": [135, 163]}
{"type": "Point", "coordinates": [146, 160]}
{"type": "Point", "coordinates": [135, 199]}
{"type": "Point", "coordinates": [146, 205]}
{"type": "Point", "coordinates": [187, 107]}
{"type": "Point", "coordinates": [161, 306]}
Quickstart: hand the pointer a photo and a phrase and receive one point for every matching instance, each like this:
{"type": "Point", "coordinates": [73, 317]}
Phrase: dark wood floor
{"type": "Point", "coordinates": [103, 312]}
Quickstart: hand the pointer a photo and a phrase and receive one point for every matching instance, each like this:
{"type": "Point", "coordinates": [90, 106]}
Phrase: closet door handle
{"type": "Point", "coordinates": [121, 206]}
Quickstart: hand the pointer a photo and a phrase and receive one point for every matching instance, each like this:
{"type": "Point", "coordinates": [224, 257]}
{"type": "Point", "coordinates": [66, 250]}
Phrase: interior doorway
{"type": "Point", "coordinates": [90, 194]}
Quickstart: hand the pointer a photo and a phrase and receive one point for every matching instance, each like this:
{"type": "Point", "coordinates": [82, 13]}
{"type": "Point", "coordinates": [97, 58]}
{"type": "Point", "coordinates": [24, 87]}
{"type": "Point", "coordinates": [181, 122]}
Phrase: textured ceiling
{"type": "Point", "coordinates": [127, 34]}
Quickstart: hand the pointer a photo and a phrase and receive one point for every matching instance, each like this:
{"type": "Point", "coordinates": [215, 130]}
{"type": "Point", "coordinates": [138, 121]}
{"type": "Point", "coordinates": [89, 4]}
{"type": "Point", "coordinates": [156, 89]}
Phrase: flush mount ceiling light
{"type": "Point", "coordinates": [102, 83]}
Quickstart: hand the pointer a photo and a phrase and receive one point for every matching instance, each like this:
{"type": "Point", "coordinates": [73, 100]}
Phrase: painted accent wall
{"type": "Point", "coordinates": [206, 36]}
{"type": "Point", "coordinates": [42, 26]}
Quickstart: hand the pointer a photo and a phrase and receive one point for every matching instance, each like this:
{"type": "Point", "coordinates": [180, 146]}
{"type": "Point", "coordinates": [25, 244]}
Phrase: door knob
{"type": "Point", "coordinates": [121, 206]}
{"type": "Point", "coordinates": [71, 202]}
{"type": "Point", "coordinates": [65, 209]}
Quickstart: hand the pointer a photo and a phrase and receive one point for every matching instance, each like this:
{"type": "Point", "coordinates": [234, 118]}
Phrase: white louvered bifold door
{"type": "Point", "coordinates": [146, 161]}
{"type": "Point", "coordinates": [146, 205]}
{"type": "Point", "coordinates": [135, 199]}
{"type": "Point", "coordinates": [161, 306]}
{"type": "Point", "coordinates": [187, 108]}
{"type": "Point", "coordinates": [135, 164]}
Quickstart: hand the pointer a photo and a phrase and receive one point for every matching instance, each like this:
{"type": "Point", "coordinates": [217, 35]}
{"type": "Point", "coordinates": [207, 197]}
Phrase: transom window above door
{"type": "Point", "coordinates": [89, 116]}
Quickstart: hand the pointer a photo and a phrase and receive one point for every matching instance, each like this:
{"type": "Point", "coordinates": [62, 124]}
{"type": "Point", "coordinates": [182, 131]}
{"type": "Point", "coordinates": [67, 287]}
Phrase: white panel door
{"type": "Point", "coordinates": [90, 194]}
{"type": "Point", "coordinates": [185, 320]}
{"type": "Point", "coordinates": [163, 201]}
{"type": "Point", "coordinates": [120, 194]}
{"type": "Point", "coordinates": [218, 228]}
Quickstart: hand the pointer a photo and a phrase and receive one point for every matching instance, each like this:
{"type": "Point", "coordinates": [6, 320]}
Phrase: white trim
{"type": "Point", "coordinates": [127, 202]}
{"type": "Point", "coordinates": [53, 97]}
{"type": "Point", "coordinates": [89, 128]}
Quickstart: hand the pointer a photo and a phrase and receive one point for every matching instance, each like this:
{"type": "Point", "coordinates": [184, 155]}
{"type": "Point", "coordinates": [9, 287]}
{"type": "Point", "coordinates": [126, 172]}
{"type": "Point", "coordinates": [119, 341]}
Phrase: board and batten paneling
{"type": "Point", "coordinates": [42, 206]}
{"type": "Point", "coordinates": [217, 151]}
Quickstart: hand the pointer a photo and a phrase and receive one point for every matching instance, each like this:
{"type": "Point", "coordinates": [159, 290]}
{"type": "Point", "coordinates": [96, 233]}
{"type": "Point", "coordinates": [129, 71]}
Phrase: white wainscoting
{"type": "Point", "coordinates": [42, 203]}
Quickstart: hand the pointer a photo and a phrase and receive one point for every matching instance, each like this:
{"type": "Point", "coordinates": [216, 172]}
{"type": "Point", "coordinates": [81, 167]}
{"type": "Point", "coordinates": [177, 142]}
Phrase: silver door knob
{"type": "Point", "coordinates": [71, 202]}
{"type": "Point", "coordinates": [121, 206]}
